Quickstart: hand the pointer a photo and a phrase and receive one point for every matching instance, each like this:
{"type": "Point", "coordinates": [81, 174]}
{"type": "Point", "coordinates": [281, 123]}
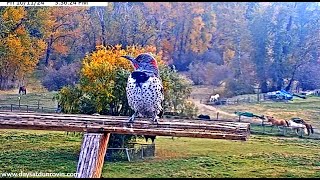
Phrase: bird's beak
{"type": "Point", "coordinates": [128, 58]}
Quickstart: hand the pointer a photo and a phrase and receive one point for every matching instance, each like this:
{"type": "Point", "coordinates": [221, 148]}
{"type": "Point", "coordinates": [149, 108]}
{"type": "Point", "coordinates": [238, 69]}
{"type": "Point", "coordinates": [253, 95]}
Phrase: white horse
{"type": "Point", "coordinates": [214, 98]}
{"type": "Point", "coordinates": [296, 126]}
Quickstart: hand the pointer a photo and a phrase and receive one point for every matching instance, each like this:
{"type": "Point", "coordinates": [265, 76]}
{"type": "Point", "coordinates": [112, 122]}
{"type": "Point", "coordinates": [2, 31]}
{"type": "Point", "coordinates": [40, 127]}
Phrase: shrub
{"type": "Point", "coordinates": [188, 109]}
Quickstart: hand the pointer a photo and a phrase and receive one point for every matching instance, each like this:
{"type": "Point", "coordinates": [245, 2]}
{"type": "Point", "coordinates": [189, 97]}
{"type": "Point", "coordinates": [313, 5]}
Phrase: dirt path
{"type": "Point", "coordinates": [211, 110]}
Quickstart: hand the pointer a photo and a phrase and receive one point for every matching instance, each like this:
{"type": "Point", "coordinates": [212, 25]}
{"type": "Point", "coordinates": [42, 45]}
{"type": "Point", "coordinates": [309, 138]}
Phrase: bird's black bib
{"type": "Point", "coordinates": [140, 77]}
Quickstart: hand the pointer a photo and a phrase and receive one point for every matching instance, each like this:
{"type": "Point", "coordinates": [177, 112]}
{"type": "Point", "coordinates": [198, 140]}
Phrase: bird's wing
{"type": "Point", "coordinates": [133, 94]}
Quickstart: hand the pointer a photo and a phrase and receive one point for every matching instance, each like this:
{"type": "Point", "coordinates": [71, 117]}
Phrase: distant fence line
{"type": "Point", "coordinates": [238, 100]}
{"type": "Point", "coordinates": [244, 99]}
{"type": "Point", "coordinates": [27, 108]}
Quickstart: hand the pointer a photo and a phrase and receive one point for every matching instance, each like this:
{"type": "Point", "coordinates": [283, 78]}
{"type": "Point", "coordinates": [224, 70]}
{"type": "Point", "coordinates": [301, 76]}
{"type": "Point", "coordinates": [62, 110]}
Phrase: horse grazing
{"type": "Point", "coordinates": [308, 126]}
{"type": "Point", "coordinates": [277, 122]}
{"type": "Point", "coordinates": [23, 90]}
{"type": "Point", "coordinates": [296, 126]}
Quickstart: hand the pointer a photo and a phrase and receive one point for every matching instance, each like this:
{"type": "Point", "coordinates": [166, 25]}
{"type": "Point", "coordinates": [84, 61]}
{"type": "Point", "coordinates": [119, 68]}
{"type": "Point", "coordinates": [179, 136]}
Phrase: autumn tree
{"type": "Point", "coordinates": [283, 41]}
{"type": "Point", "coordinates": [61, 30]}
{"type": "Point", "coordinates": [304, 39]}
{"type": "Point", "coordinates": [20, 51]}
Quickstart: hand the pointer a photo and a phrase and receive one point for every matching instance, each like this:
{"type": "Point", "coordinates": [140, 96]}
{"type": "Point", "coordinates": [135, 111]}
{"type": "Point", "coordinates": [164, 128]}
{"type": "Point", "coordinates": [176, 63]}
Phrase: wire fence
{"type": "Point", "coordinates": [27, 108]}
{"type": "Point", "coordinates": [250, 98]}
{"type": "Point", "coordinates": [253, 98]}
{"type": "Point", "coordinates": [265, 128]}
{"type": "Point", "coordinates": [135, 153]}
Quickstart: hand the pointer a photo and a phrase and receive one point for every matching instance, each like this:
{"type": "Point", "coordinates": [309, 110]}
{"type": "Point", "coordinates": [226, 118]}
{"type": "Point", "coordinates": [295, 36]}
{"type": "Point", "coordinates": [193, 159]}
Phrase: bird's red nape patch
{"type": "Point", "coordinates": [136, 66]}
{"type": "Point", "coordinates": [154, 63]}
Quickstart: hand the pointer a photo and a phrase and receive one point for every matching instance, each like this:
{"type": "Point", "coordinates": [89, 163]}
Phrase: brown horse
{"type": "Point", "coordinates": [23, 90]}
{"type": "Point", "coordinates": [277, 122]}
{"type": "Point", "coordinates": [308, 126]}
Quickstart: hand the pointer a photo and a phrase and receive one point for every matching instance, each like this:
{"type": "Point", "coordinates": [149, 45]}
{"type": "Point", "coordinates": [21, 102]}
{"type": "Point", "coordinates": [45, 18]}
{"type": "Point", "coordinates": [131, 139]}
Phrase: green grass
{"type": "Point", "coordinates": [37, 151]}
{"type": "Point", "coordinates": [261, 156]}
{"type": "Point", "coordinates": [45, 99]}
{"type": "Point", "coordinates": [308, 109]}
{"type": "Point", "coordinates": [35, 93]}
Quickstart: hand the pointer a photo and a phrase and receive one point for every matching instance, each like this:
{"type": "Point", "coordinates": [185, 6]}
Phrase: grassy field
{"type": "Point", "coordinates": [308, 109]}
{"type": "Point", "coordinates": [45, 99]}
{"type": "Point", "coordinates": [261, 156]}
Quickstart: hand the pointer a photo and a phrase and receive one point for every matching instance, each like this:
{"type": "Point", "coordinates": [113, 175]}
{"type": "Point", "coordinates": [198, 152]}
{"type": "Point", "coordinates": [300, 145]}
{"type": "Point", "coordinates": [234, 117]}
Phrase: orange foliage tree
{"type": "Point", "coordinates": [20, 52]}
{"type": "Point", "coordinates": [61, 30]}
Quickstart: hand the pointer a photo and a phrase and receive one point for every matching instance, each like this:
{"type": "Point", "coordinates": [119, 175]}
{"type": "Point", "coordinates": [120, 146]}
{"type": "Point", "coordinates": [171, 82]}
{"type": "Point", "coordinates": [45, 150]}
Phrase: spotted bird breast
{"type": "Point", "coordinates": [144, 93]}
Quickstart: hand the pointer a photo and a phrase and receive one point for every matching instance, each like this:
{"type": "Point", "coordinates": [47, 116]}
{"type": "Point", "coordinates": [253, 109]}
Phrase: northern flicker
{"type": "Point", "coordinates": [144, 87]}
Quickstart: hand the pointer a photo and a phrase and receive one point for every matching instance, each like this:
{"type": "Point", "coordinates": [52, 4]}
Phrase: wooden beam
{"type": "Point", "coordinates": [93, 151]}
{"type": "Point", "coordinates": [119, 125]}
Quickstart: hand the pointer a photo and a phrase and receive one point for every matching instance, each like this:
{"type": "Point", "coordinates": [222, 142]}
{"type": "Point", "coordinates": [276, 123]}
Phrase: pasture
{"type": "Point", "coordinates": [307, 109]}
{"type": "Point", "coordinates": [260, 156]}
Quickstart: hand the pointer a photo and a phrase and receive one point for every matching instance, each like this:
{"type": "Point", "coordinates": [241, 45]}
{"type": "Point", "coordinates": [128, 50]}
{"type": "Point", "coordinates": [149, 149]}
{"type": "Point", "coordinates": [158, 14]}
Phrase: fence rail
{"type": "Point", "coordinates": [26, 108]}
{"type": "Point", "coordinates": [119, 125]}
{"type": "Point", "coordinates": [253, 130]}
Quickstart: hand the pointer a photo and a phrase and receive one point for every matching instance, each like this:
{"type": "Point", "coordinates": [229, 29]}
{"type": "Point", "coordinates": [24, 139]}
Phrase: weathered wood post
{"type": "Point", "coordinates": [93, 151]}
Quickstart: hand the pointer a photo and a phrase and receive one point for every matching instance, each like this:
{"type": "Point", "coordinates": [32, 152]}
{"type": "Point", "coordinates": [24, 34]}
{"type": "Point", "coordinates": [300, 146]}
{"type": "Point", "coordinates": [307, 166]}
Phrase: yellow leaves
{"type": "Point", "coordinates": [199, 36]}
{"type": "Point", "coordinates": [41, 45]}
{"type": "Point", "coordinates": [228, 55]}
{"type": "Point", "coordinates": [197, 9]}
{"type": "Point", "coordinates": [99, 67]}
{"type": "Point", "coordinates": [13, 41]}
{"type": "Point", "coordinates": [22, 51]}
{"type": "Point", "coordinates": [14, 14]}
{"type": "Point", "coordinates": [20, 30]}
{"type": "Point", "coordinates": [198, 23]}
{"type": "Point", "coordinates": [118, 46]}
{"type": "Point", "coordinates": [62, 27]}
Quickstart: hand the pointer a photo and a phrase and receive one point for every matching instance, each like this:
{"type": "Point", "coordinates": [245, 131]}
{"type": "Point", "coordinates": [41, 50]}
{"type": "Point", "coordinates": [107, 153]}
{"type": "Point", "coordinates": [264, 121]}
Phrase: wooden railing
{"type": "Point", "coordinates": [98, 129]}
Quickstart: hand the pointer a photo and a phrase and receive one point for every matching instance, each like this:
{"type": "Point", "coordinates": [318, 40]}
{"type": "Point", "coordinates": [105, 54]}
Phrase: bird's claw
{"type": "Point", "coordinates": [130, 125]}
{"type": "Point", "coordinates": [155, 120]}
{"type": "Point", "coordinates": [131, 119]}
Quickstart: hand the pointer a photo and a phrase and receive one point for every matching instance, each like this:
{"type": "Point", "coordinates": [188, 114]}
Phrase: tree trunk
{"type": "Point", "coordinates": [264, 86]}
{"type": "Point", "coordinates": [48, 51]}
{"type": "Point", "coordinates": [99, 11]}
{"type": "Point", "coordinates": [292, 78]}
